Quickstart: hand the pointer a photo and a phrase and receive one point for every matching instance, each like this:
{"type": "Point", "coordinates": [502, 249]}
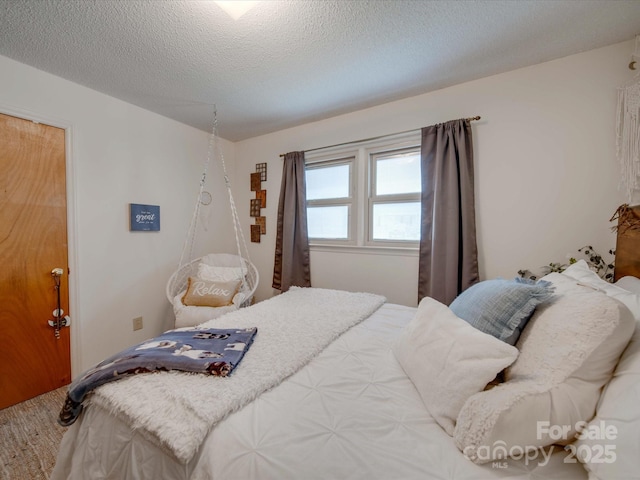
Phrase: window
{"type": "Point", "coordinates": [330, 199]}
{"type": "Point", "coordinates": [366, 195]}
{"type": "Point", "coordinates": [395, 196]}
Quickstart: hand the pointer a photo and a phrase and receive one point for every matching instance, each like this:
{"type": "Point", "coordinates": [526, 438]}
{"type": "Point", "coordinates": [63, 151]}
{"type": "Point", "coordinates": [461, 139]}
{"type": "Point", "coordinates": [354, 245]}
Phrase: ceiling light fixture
{"type": "Point", "coordinates": [236, 8]}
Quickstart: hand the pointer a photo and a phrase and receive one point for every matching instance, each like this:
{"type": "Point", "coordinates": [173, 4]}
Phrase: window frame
{"type": "Point", "coordinates": [374, 198]}
{"type": "Point", "coordinates": [361, 207]}
{"type": "Point", "coordinates": [349, 201]}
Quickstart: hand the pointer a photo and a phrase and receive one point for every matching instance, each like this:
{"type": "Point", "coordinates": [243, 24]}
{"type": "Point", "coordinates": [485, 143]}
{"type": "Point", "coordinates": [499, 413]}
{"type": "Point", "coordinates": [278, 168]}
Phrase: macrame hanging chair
{"type": "Point", "coordinates": [223, 267]}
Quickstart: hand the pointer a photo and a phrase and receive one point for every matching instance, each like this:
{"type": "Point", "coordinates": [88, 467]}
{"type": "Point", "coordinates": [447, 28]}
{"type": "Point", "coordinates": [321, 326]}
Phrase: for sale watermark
{"type": "Point", "coordinates": [584, 431]}
{"type": "Point", "coordinates": [599, 449]}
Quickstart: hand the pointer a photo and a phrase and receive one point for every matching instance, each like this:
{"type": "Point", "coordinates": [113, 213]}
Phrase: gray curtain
{"type": "Point", "coordinates": [448, 261]}
{"type": "Point", "coordinates": [291, 265]}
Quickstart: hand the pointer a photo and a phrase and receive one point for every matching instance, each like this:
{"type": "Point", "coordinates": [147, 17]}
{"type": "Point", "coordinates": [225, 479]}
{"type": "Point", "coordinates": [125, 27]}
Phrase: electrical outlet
{"type": "Point", "coordinates": [137, 323]}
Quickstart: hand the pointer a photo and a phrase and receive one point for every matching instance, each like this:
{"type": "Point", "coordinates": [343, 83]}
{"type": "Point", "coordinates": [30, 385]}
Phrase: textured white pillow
{"type": "Point", "coordinates": [190, 316]}
{"type": "Point", "coordinates": [565, 285]}
{"type": "Point", "coordinates": [581, 272]}
{"type": "Point", "coordinates": [219, 274]}
{"type": "Point", "coordinates": [568, 351]}
{"type": "Point", "coordinates": [610, 445]}
{"type": "Point", "coordinates": [448, 360]}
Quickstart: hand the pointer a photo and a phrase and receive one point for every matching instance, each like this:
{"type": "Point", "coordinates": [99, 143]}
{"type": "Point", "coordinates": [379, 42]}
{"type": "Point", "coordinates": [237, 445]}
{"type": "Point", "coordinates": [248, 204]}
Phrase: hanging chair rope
{"type": "Point", "coordinates": [214, 150]}
{"type": "Point", "coordinates": [241, 244]}
{"type": "Point", "coordinates": [187, 249]}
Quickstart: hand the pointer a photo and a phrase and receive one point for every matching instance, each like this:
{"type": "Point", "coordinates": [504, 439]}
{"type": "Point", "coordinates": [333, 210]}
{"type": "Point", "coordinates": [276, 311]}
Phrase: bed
{"type": "Point", "coordinates": [394, 392]}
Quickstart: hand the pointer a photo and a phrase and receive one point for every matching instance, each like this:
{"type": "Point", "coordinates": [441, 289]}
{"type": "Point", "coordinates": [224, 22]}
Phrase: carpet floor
{"type": "Point", "coordinates": [30, 437]}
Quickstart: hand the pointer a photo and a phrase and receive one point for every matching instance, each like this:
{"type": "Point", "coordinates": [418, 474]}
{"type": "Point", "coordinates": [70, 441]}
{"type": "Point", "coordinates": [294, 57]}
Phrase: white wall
{"type": "Point", "coordinates": [546, 181]}
{"type": "Point", "coordinates": [546, 174]}
{"type": "Point", "coordinates": [120, 154]}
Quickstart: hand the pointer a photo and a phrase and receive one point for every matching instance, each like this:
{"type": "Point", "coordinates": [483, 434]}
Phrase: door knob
{"type": "Point", "coordinates": [59, 321]}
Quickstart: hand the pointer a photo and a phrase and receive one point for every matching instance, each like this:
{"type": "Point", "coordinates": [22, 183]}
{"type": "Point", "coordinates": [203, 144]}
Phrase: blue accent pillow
{"type": "Point", "coordinates": [501, 307]}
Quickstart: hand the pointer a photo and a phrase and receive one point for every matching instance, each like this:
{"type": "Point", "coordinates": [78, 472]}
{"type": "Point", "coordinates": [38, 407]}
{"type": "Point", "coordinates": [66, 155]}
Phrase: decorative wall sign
{"type": "Point", "coordinates": [144, 218]}
{"type": "Point", "coordinates": [259, 202]}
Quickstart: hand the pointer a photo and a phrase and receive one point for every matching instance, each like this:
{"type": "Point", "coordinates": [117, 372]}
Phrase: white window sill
{"type": "Point", "coordinates": [366, 250]}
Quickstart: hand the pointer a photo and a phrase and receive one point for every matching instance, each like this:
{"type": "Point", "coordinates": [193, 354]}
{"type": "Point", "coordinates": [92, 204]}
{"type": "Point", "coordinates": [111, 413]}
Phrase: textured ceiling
{"type": "Point", "coordinates": [289, 62]}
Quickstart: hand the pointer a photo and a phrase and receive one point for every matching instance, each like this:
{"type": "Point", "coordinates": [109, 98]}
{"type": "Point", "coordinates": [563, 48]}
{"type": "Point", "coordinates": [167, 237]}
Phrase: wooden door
{"type": "Point", "coordinates": [33, 242]}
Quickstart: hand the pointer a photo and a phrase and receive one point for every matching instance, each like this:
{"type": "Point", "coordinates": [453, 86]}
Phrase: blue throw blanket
{"type": "Point", "coordinates": [210, 351]}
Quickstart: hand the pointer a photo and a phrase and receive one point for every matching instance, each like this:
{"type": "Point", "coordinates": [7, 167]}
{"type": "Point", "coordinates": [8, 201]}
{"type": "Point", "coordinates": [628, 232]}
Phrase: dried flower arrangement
{"type": "Point", "coordinates": [594, 260]}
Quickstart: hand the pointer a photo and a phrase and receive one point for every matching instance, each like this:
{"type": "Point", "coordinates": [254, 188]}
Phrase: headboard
{"type": "Point", "coordinates": [628, 242]}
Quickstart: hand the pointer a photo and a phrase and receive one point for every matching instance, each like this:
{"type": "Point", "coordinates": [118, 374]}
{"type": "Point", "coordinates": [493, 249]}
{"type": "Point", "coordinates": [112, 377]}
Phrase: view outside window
{"type": "Point", "coordinates": [398, 174]}
{"type": "Point", "coordinates": [328, 222]}
{"type": "Point", "coordinates": [328, 200]}
{"type": "Point", "coordinates": [328, 182]}
{"type": "Point", "coordinates": [395, 209]}
{"type": "Point", "coordinates": [396, 221]}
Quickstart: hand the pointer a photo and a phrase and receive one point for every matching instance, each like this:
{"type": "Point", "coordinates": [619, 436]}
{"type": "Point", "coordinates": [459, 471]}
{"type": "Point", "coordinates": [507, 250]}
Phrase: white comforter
{"type": "Point", "coordinates": [351, 413]}
{"type": "Point", "coordinates": [177, 410]}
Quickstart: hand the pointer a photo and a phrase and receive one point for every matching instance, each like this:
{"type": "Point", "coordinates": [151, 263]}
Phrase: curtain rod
{"type": "Point", "coordinates": [471, 119]}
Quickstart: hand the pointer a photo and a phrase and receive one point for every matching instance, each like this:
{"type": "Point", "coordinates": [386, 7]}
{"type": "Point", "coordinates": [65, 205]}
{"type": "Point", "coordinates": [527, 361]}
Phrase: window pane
{"type": "Point", "coordinates": [328, 182]}
{"type": "Point", "coordinates": [398, 174]}
{"type": "Point", "coordinates": [396, 221]}
{"type": "Point", "coordinates": [328, 222]}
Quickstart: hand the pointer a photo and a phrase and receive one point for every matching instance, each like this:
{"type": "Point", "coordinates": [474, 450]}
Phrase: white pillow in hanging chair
{"type": "Point", "coordinates": [190, 316]}
{"type": "Point", "coordinates": [215, 273]}
{"type": "Point", "coordinates": [213, 267]}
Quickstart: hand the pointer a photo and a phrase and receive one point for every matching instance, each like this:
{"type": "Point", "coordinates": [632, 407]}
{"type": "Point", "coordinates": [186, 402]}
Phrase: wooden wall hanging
{"type": "Point", "coordinates": [259, 202]}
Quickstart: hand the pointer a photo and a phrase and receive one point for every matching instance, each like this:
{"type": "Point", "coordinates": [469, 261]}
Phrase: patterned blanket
{"type": "Point", "coordinates": [208, 351]}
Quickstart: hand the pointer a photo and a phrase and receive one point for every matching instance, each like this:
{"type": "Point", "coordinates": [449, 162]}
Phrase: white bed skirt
{"type": "Point", "coordinates": [351, 413]}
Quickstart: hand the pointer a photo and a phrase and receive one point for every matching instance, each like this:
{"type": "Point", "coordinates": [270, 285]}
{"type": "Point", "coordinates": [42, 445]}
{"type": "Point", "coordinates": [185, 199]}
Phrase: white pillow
{"type": "Point", "coordinates": [568, 351]}
{"type": "Point", "coordinates": [581, 272]}
{"type": "Point", "coordinates": [610, 448]}
{"type": "Point", "coordinates": [631, 284]}
{"type": "Point", "coordinates": [565, 285]}
{"type": "Point", "coordinates": [190, 316]}
{"type": "Point", "coordinates": [219, 274]}
{"type": "Point", "coordinates": [448, 360]}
